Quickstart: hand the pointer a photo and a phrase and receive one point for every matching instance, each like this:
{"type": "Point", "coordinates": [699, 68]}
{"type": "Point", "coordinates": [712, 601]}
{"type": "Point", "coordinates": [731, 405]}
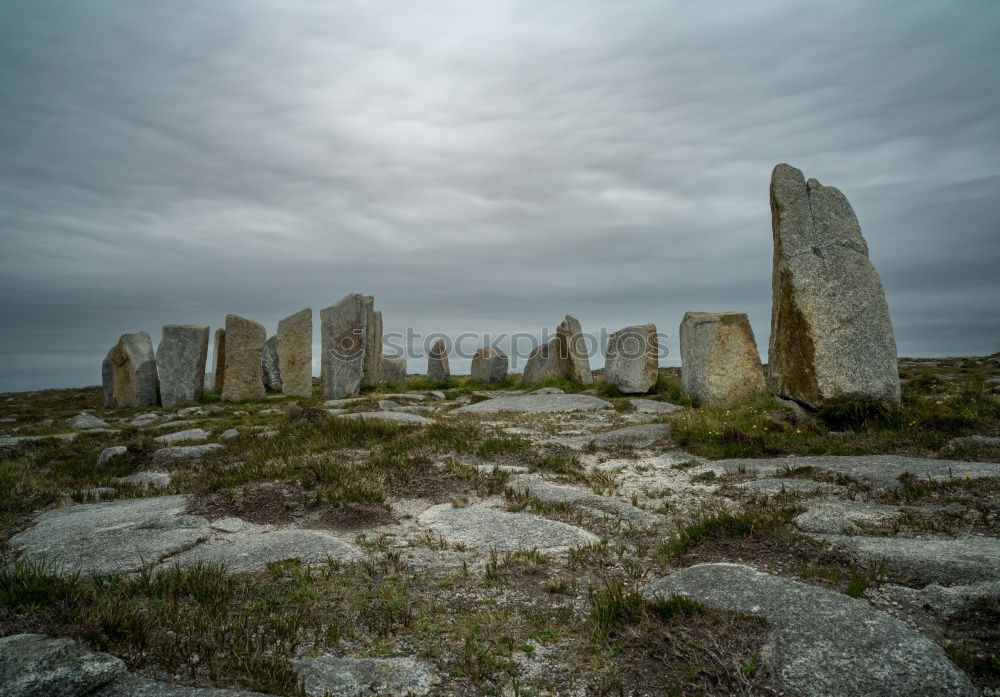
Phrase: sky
{"type": "Point", "coordinates": [480, 167]}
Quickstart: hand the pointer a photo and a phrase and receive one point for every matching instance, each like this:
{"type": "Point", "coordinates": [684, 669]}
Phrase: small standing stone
{"type": "Point", "coordinates": [343, 335]}
{"type": "Point", "coordinates": [631, 362]}
{"type": "Point", "coordinates": [219, 363]}
{"type": "Point", "coordinates": [831, 336]}
{"type": "Point", "coordinates": [544, 363]}
{"type": "Point", "coordinates": [244, 346]}
{"type": "Point", "coordinates": [295, 354]}
{"type": "Point", "coordinates": [180, 360]}
{"type": "Point", "coordinates": [437, 363]}
{"type": "Point", "coordinates": [108, 377]}
{"type": "Point", "coordinates": [719, 358]}
{"type": "Point", "coordinates": [393, 369]}
{"type": "Point", "coordinates": [270, 370]}
{"type": "Point", "coordinates": [489, 365]}
{"type": "Point", "coordinates": [133, 371]}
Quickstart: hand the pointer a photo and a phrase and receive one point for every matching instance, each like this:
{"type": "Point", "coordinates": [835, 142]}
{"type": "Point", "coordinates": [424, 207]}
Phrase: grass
{"type": "Point", "coordinates": [744, 524]}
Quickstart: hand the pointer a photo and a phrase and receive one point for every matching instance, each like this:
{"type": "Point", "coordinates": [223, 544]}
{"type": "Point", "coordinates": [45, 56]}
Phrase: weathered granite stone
{"type": "Point", "coordinates": [180, 362]}
{"type": "Point", "coordinates": [183, 436]}
{"type": "Point", "coordinates": [649, 406]}
{"type": "Point", "coordinates": [642, 436]}
{"type": "Point", "coordinates": [437, 363]}
{"type": "Point", "coordinates": [256, 549]}
{"type": "Point", "coordinates": [719, 358]}
{"type": "Point", "coordinates": [270, 368]}
{"type": "Point", "coordinates": [244, 347]}
{"type": "Point", "coordinates": [329, 676]}
{"type": "Point", "coordinates": [134, 371]}
{"type": "Point", "coordinates": [108, 377]}
{"type": "Point", "coordinates": [489, 365]}
{"type": "Point", "coordinates": [536, 404]}
{"type": "Point", "coordinates": [831, 336]}
{"type": "Point", "coordinates": [182, 453]}
{"type": "Point", "coordinates": [395, 417]}
{"type": "Point", "coordinates": [295, 354]}
{"type": "Point", "coordinates": [573, 351]}
{"type": "Point", "coordinates": [219, 362]}
{"type": "Point", "coordinates": [544, 362]}
{"type": "Point", "coordinates": [109, 454]}
{"type": "Point", "coordinates": [393, 369]}
{"type": "Point", "coordinates": [32, 665]}
{"type": "Point", "coordinates": [373, 344]}
{"type": "Point", "coordinates": [486, 528]}
{"type": "Point", "coordinates": [147, 479]}
{"type": "Point", "coordinates": [631, 362]}
{"type": "Point", "coordinates": [821, 643]}
{"type": "Point", "coordinates": [343, 334]}
{"type": "Point", "coordinates": [83, 420]}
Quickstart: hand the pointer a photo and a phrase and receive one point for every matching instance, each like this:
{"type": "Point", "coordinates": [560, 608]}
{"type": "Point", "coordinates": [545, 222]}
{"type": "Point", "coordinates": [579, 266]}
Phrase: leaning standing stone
{"type": "Point", "coordinates": [343, 336]}
{"type": "Point", "coordinates": [295, 354]}
{"type": "Point", "coordinates": [270, 370]}
{"type": "Point", "coordinates": [244, 346]}
{"type": "Point", "coordinates": [831, 336]}
{"type": "Point", "coordinates": [719, 358]}
{"type": "Point", "coordinates": [544, 362]}
{"type": "Point", "coordinates": [573, 347]}
{"type": "Point", "coordinates": [393, 369]}
{"type": "Point", "coordinates": [437, 363]}
{"type": "Point", "coordinates": [219, 363]}
{"type": "Point", "coordinates": [631, 362]}
{"type": "Point", "coordinates": [133, 371]}
{"type": "Point", "coordinates": [180, 360]}
{"type": "Point", "coordinates": [489, 365]}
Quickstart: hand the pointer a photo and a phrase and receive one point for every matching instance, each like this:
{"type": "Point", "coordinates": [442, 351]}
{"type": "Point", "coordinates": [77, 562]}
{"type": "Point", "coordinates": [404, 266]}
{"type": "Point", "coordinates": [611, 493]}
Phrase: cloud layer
{"type": "Point", "coordinates": [479, 166]}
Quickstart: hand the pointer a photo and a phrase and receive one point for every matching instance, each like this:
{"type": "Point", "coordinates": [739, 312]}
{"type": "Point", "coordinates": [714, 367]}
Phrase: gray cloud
{"type": "Point", "coordinates": [483, 167]}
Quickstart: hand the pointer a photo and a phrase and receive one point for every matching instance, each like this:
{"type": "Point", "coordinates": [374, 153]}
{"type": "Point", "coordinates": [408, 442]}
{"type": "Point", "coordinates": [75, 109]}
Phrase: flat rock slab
{"type": "Point", "coordinates": [187, 436]}
{"type": "Point", "coordinates": [845, 517]}
{"type": "Point", "coordinates": [956, 561]}
{"type": "Point", "coordinates": [83, 421]}
{"type": "Point", "coordinates": [779, 485]}
{"type": "Point", "coordinates": [651, 406]}
{"type": "Point", "coordinates": [487, 528]}
{"type": "Point", "coordinates": [115, 537]}
{"type": "Point", "coordinates": [328, 676]}
{"type": "Point", "coordinates": [14, 440]}
{"type": "Point", "coordinates": [642, 436]}
{"type": "Point", "coordinates": [147, 479]}
{"type": "Point", "coordinates": [392, 417]}
{"type": "Point", "coordinates": [182, 453]}
{"type": "Point", "coordinates": [881, 470]}
{"type": "Point", "coordinates": [821, 643]}
{"type": "Point", "coordinates": [405, 396]}
{"type": "Point", "coordinates": [254, 550]}
{"type": "Point", "coordinates": [536, 404]}
{"type": "Point", "coordinates": [549, 492]}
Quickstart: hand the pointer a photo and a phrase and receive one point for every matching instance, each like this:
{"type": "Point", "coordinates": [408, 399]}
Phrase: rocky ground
{"type": "Point", "coordinates": [464, 540]}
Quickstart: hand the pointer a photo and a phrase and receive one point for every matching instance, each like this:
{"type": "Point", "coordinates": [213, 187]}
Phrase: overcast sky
{"type": "Point", "coordinates": [480, 166]}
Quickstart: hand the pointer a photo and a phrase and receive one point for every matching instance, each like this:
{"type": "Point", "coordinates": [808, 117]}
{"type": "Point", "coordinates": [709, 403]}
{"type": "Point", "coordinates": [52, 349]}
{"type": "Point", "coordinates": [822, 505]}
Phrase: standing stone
{"type": "Point", "coordinates": [393, 369]}
{"type": "Point", "coordinates": [437, 363]}
{"type": "Point", "coordinates": [343, 336]}
{"type": "Point", "coordinates": [373, 344]}
{"type": "Point", "coordinates": [219, 363]}
{"type": "Point", "coordinates": [244, 347]}
{"type": "Point", "coordinates": [489, 365]}
{"type": "Point", "coordinates": [573, 351]}
{"type": "Point", "coordinates": [270, 369]}
{"type": "Point", "coordinates": [133, 371]}
{"type": "Point", "coordinates": [719, 358]}
{"type": "Point", "coordinates": [631, 362]}
{"type": "Point", "coordinates": [108, 377]}
{"type": "Point", "coordinates": [180, 360]}
{"type": "Point", "coordinates": [295, 354]}
{"type": "Point", "coordinates": [831, 336]}
{"type": "Point", "coordinates": [544, 362]}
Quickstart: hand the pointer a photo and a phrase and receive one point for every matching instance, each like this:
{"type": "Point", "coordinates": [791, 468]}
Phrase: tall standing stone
{"type": "Point", "coordinates": [270, 369]}
{"type": "Point", "coordinates": [373, 344]}
{"type": "Point", "coordinates": [573, 350]}
{"type": "Point", "coordinates": [719, 358]}
{"type": "Point", "coordinates": [108, 377]}
{"type": "Point", "coordinates": [489, 365]}
{"type": "Point", "coordinates": [133, 371]}
{"type": "Point", "coordinates": [295, 353]}
{"type": "Point", "coordinates": [438, 369]}
{"type": "Point", "coordinates": [180, 361]}
{"type": "Point", "coordinates": [831, 337]}
{"type": "Point", "coordinates": [545, 362]}
{"type": "Point", "coordinates": [393, 369]}
{"type": "Point", "coordinates": [219, 362]}
{"type": "Point", "coordinates": [244, 347]}
{"type": "Point", "coordinates": [343, 338]}
{"type": "Point", "coordinates": [631, 362]}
